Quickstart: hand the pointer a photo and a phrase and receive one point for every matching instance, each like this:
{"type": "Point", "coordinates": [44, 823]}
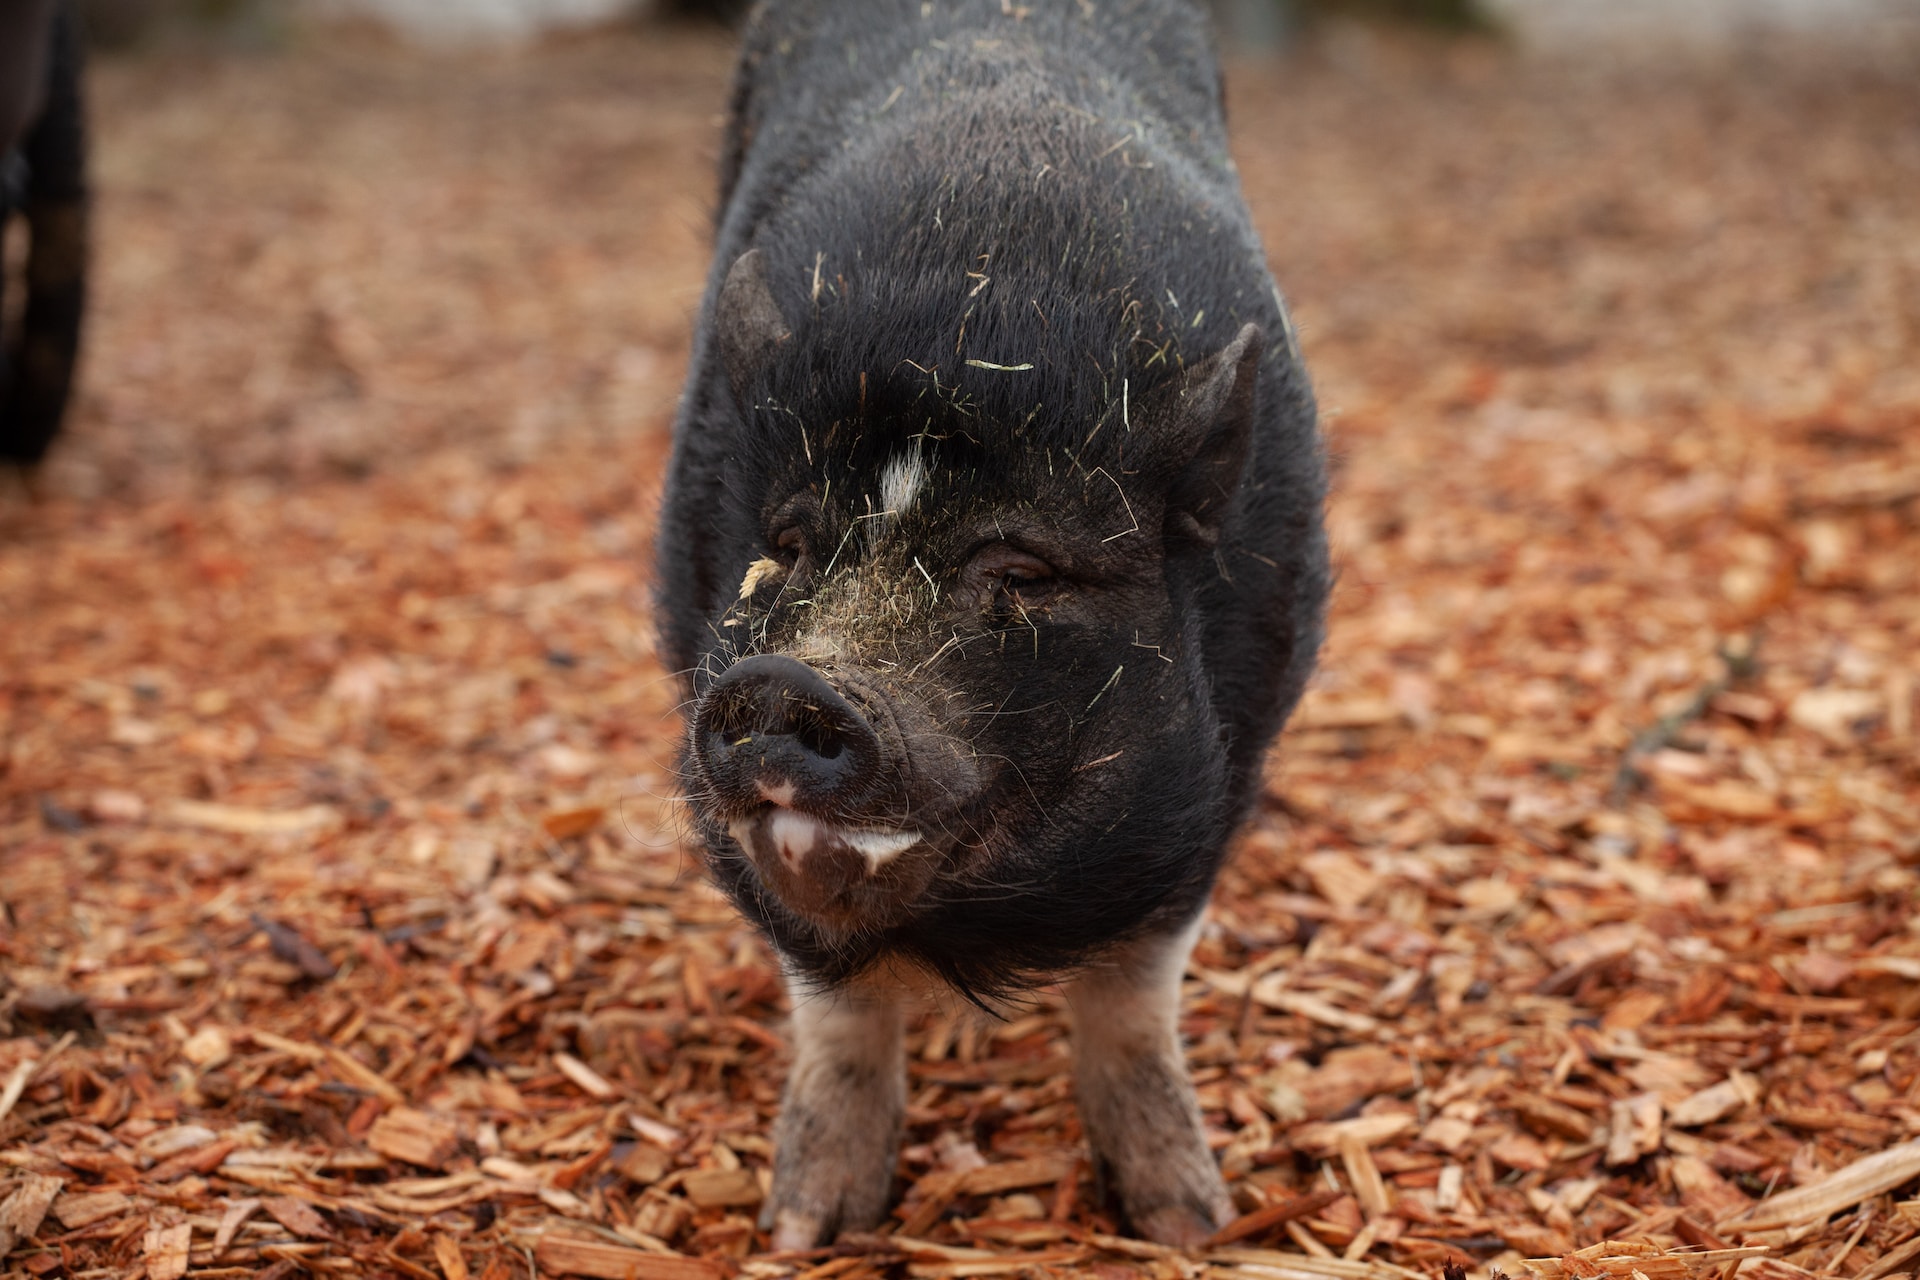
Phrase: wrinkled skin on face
{"type": "Point", "coordinates": [991, 554]}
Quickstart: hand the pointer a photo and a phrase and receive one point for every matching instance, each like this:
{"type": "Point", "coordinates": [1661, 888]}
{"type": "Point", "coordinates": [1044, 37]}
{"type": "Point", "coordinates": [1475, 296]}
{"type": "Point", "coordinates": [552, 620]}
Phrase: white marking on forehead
{"type": "Point", "coordinates": [900, 483]}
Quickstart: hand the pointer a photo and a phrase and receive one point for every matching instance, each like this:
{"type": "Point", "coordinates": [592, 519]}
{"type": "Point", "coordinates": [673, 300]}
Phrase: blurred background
{"type": "Point", "coordinates": [408, 226]}
{"type": "Point", "coordinates": [416, 225]}
{"type": "Point", "coordinates": [1243, 21]}
{"type": "Point", "coordinates": [329, 610]}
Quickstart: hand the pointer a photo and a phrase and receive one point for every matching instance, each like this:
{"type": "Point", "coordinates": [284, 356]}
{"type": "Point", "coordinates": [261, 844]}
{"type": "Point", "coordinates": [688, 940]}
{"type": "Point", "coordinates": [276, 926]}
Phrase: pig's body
{"type": "Point", "coordinates": [992, 548]}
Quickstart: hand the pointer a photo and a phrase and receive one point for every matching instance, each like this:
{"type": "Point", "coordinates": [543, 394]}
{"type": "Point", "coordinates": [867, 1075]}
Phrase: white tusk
{"type": "Point", "coordinates": [880, 847]}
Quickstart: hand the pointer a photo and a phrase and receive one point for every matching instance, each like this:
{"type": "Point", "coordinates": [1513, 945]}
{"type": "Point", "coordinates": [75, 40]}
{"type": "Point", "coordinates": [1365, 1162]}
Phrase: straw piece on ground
{"type": "Point", "coordinates": [1626, 1259]}
{"type": "Point", "coordinates": [993, 1179]}
{"type": "Point", "coordinates": [22, 1212]}
{"type": "Point", "coordinates": [205, 815]}
{"type": "Point", "coordinates": [1267, 1218]}
{"type": "Point", "coordinates": [1842, 1189]}
{"type": "Point", "coordinates": [1367, 1131]}
{"type": "Point", "coordinates": [417, 1137]}
{"type": "Point", "coordinates": [1715, 1102]}
{"type": "Point", "coordinates": [166, 1251]}
{"type": "Point", "coordinates": [16, 1085]}
{"type": "Point", "coordinates": [575, 1255]}
{"type": "Point", "coordinates": [591, 1082]}
{"type": "Point", "coordinates": [722, 1188]}
{"type": "Point", "coordinates": [77, 1211]}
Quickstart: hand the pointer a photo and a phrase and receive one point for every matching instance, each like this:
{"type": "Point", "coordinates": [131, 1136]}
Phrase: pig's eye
{"type": "Point", "coordinates": [1006, 576]}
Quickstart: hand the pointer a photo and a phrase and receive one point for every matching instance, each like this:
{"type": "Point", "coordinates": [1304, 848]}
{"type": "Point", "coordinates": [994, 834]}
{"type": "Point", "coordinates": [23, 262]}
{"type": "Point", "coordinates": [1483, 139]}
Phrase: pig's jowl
{"type": "Point", "coordinates": [992, 553]}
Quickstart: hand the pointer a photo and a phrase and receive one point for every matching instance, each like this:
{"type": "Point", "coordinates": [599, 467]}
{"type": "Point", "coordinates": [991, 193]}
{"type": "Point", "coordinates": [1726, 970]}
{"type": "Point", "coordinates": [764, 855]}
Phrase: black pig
{"type": "Point", "coordinates": [992, 552]}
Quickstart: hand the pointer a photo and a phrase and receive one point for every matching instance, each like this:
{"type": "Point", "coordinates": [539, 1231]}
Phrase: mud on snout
{"type": "Point", "coordinates": [844, 795]}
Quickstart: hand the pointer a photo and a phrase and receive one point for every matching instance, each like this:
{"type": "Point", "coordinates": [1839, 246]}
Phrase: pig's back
{"type": "Point", "coordinates": [819, 77]}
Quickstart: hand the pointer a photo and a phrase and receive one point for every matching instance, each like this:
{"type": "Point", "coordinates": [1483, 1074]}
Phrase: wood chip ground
{"type": "Point", "coordinates": [348, 925]}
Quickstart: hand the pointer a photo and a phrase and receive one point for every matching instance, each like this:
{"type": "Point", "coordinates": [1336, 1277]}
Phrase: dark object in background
{"type": "Point", "coordinates": [728, 11]}
{"type": "Point", "coordinates": [1454, 15]}
{"type": "Point", "coordinates": [23, 66]}
{"type": "Point", "coordinates": [290, 945]}
{"type": "Point", "coordinates": [43, 184]}
{"type": "Point", "coordinates": [53, 1010]}
{"type": "Point", "coordinates": [991, 552]}
{"type": "Point", "coordinates": [122, 24]}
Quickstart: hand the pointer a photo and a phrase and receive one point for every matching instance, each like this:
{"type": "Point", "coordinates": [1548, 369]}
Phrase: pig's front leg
{"type": "Point", "coordinates": [839, 1128]}
{"type": "Point", "coordinates": [1136, 1101]}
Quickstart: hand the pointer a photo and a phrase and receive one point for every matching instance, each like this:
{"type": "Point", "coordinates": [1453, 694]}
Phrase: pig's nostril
{"type": "Point", "coordinates": [818, 735]}
{"type": "Point", "coordinates": [776, 717]}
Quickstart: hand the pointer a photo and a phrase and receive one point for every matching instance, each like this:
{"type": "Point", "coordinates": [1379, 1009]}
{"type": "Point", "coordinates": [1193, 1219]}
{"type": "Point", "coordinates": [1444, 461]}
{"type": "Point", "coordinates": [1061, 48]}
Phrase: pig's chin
{"type": "Point", "coordinates": [842, 878]}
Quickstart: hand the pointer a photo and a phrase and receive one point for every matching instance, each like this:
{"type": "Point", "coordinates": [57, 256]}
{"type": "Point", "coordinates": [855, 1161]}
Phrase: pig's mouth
{"type": "Point", "coordinates": [796, 837]}
{"type": "Point", "coordinates": [806, 774]}
{"type": "Point", "coordinates": [840, 877]}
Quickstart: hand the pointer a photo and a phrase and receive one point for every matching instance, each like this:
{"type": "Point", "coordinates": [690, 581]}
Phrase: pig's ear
{"type": "Point", "coordinates": [1212, 415]}
{"type": "Point", "coordinates": [748, 321]}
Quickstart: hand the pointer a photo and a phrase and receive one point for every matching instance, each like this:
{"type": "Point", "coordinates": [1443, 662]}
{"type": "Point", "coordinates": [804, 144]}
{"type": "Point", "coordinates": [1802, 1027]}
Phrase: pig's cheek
{"type": "Point", "coordinates": [840, 1119]}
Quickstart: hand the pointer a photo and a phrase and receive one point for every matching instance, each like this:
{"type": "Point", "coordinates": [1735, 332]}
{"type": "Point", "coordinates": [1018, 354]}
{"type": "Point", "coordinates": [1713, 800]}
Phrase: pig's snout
{"type": "Point", "coordinates": [793, 770]}
{"type": "Point", "coordinates": [773, 731]}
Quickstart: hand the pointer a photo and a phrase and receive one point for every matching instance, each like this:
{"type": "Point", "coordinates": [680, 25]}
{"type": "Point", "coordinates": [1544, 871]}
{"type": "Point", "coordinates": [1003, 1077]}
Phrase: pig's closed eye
{"type": "Point", "coordinates": [1005, 576]}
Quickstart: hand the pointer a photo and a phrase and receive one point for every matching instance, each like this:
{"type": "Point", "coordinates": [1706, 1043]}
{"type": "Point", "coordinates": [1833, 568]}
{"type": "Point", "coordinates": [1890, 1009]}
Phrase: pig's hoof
{"type": "Point", "coordinates": [794, 1229]}
{"type": "Point", "coordinates": [1180, 1225]}
{"type": "Point", "coordinates": [813, 1203]}
{"type": "Point", "coordinates": [1177, 1202]}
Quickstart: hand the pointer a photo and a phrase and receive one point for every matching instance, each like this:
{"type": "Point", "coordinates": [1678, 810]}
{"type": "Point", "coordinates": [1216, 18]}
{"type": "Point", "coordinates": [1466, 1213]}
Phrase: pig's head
{"type": "Point", "coordinates": [953, 706]}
